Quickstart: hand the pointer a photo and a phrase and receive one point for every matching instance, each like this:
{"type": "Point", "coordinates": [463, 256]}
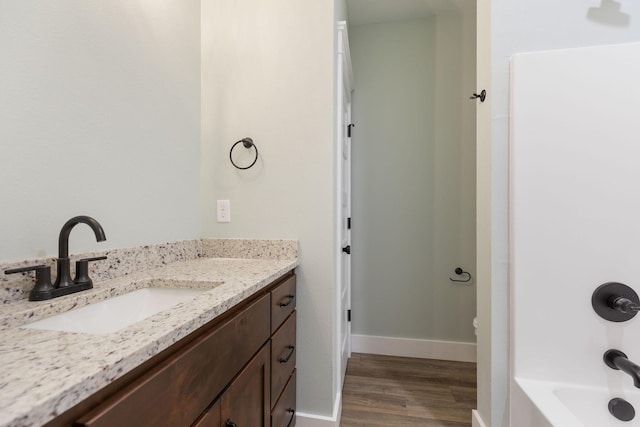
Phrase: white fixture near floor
{"type": "Point", "coordinates": [575, 224]}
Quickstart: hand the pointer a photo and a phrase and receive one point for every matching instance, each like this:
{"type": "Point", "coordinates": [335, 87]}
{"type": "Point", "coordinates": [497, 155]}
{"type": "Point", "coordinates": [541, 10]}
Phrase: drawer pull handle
{"type": "Point", "coordinates": [293, 415]}
{"type": "Point", "coordinates": [289, 300]}
{"type": "Point", "coordinates": [230, 423]}
{"type": "Point", "coordinates": [286, 358]}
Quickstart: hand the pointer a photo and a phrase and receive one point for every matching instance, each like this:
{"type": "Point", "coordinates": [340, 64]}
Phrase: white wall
{"type": "Point", "coordinates": [518, 26]}
{"type": "Point", "coordinates": [99, 115]}
{"type": "Point", "coordinates": [267, 73]}
{"type": "Point", "coordinates": [413, 178]}
{"type": "Point", "coordinates": [574, 226]}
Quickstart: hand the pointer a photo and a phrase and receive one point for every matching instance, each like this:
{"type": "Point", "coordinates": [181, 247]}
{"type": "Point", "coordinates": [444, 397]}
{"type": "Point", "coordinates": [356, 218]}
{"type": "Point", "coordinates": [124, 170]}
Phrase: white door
{"type": "Point", "coordinates": [343, 150]}
{"type": "Point", "coordinates": [345, 224]}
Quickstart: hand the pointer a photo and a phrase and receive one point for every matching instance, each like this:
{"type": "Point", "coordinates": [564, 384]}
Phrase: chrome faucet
{"type": "Point", "coordinates": [64, 285]}
{"type": "Point", "coordinates": [615, 359]}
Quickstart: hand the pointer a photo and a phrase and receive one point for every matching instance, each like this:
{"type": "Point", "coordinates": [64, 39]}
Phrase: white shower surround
{"type": "Point", "coordinates": [575, 224]}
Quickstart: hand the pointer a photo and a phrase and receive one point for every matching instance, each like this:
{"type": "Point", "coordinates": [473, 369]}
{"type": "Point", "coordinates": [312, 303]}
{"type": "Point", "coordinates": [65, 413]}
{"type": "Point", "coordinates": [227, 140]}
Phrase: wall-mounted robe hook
{"type": "Point", "coordinates": [482, 95]}
{"type": "Point", "coordinates": [460, 272]}
{"type": "Point", "coordinates": [247, 143]}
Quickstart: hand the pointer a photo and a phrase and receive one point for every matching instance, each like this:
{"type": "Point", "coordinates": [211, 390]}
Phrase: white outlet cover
{"type": "Point", "coordinates": [223, 211]}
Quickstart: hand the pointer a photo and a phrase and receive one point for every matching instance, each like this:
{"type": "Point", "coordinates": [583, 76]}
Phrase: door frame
{"type": "Point", "coordinates": [492, 385]}
{"type": "Point", "coordinates": [344, 87]}
{"type": "Point", "coordinates": [487, 375]}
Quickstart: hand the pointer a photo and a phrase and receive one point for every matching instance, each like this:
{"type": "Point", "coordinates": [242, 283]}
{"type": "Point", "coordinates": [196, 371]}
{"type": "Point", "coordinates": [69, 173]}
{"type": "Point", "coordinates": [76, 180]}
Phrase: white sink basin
{"type": "Point", "coordinates": [117, 313]}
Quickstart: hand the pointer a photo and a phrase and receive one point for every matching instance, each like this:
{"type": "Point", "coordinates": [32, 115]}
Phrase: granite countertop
{"type": "Point", "coordinates": [47, 372]}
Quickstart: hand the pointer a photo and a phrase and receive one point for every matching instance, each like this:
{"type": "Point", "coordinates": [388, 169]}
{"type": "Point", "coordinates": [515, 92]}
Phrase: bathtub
{"type": "Point", "coordinates": [570, 405]}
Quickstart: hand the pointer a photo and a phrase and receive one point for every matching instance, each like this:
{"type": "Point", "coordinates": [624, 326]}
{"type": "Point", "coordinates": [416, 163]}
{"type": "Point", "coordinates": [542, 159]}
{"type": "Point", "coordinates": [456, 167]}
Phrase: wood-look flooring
{"type": "Point", "coordinates": [400, 391]}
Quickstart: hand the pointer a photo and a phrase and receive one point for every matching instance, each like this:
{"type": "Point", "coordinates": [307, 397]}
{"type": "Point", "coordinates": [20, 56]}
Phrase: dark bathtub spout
{"type": "Point", "coordinates": [615, 359]}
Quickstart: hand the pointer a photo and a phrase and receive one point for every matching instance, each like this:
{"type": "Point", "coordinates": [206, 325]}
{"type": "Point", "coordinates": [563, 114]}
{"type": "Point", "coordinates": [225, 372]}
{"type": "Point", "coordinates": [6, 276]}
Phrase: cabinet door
{"type": "Point", "coordinates": [211, 418]}
{"type": "Point", "coordinates": [246, 401]}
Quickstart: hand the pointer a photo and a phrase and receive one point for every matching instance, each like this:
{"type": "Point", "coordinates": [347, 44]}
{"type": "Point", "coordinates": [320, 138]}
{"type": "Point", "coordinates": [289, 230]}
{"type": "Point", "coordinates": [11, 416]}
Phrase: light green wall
{"type": "Point", "coordinates": [267, 73]}
{"type": "Point", "coordinates": [340, 10]}
{"type": "Point", "coordinates": [413, 179]}
{"type": "Point", "coordinates": [99, 115]}
{"type": "Point", "coordinates": [100, 107]}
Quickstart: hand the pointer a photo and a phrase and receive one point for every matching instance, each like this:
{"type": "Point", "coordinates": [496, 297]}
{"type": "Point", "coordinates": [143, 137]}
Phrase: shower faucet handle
{"type": "Point", "coordinates": [615, 301]}
{"type": "Point", "coordinates": [623, 305]}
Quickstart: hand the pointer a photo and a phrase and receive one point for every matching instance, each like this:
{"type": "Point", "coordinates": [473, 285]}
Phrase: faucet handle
{"type": "Point", "coordinates": [43, 285]}
{"type": "Point", "coordinates": [82, 271]}
{"type": "Point", "coordinates": [615, 302]}
{"type": "Point", "coordinates": [623, 305]}
{"type": "Point", "coordinates": [97, 258]}
{"type": "Point", "coordinates": [37, 268]}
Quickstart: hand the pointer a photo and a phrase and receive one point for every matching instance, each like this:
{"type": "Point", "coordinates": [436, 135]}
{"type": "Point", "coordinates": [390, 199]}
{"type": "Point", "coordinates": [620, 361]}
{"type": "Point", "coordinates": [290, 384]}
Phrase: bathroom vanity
{"type": "Point", "coordinates": [235, 357]}
{"type": "Point", "coordinates": [225, 358]}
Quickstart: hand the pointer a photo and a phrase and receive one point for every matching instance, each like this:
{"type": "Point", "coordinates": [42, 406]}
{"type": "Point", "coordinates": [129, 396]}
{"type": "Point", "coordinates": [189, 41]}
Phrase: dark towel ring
{"type": "Point", "coordinates": [248, 143]}
{"type": "Point", "coordinates": [461, 272]}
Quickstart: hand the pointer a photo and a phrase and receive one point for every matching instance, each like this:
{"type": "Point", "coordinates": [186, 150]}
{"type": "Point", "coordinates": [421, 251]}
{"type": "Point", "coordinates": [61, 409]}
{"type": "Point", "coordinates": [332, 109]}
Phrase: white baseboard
{"type": "Point", "coordinates": [476, 421]}
{"type": "Point", "coordinates": [409, 347]}
{"type": "Point", "coordinates": [312, 420]}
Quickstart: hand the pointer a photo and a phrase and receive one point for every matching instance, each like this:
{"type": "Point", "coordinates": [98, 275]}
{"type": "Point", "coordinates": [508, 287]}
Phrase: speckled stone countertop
{"type": "Point", "coordinates": [44, 373]}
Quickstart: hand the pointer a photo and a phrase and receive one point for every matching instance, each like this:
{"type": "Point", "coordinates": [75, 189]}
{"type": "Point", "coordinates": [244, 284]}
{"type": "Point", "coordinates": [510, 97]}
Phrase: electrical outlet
{"type": "Point", "coordinates": [224, 211]}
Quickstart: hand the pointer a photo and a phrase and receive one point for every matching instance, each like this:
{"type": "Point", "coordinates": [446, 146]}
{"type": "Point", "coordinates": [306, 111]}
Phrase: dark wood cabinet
{"type": "Point", "coordinates": [211, 417]}
{"type": "Point", "coordinates": [283, 354]}
{"type": "Point", "coordinates": [283, 302]}
{"type": "Point", "coordinates": [222, 374]}
{"type": "Point", "coordinates": [284, 412]}
{"type": "Point", "coordinates": [178, 390]}
{"type": "Point", "coordinates": [246, 401]}
{"type": "Point", "coordinates": [283, 360]}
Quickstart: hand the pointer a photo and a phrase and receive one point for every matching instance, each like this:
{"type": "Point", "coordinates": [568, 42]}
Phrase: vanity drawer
{"type": "Point", "coordinates": [283, 302]}
{"type": "Point", "coordinates": [284, 413]}
{"type": "Point", "coordinates": [179, 389]}
{"type": "Point", "coordinates": [283, 356]}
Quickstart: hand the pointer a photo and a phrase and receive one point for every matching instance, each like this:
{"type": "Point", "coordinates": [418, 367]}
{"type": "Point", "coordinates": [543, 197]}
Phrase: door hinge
{"type": "Point", "coordinates": [349, 126]}
{"type": "Point", "coordinates": [349, 315]}
{"type": "Point", "coordinates": [349, 223]}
